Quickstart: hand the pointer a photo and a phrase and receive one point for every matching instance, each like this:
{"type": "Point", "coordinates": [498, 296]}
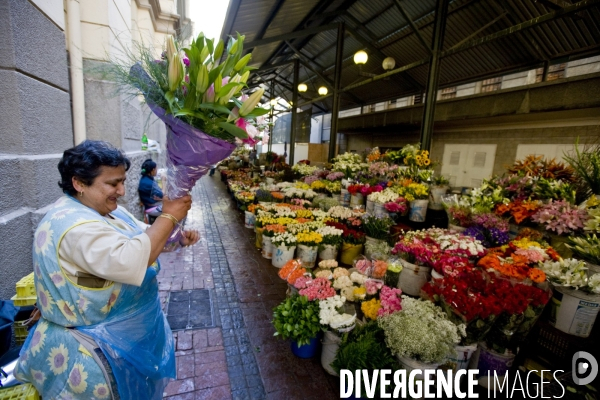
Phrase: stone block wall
{"type": "Point", "coordinates": [35, 128]}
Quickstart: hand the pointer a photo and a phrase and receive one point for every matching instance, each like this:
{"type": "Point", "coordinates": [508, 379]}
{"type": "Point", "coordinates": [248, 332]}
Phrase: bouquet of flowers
{"type": "Point", "coordinates": [331, 236]}
{"type": "Point", "coordinates": [335, 176]}
{"type": "Point", "coordinates": [390, 301]}
{"type": "Point", "coordinates": [385, 196]}
{"type": "Point", "coordinates": [519, 210]}
{"type": "Point", "coordinates": [355, 189]}
{"type": "Point", "coordinates": [421, 331]}
{"type": "Point", "coordinates": [377, 227]}
{"type": "Point", "coordinates": [284, 239]}
{"type": "Point", "coordinates": [304, 169]}
{"type": "Point", "coordinates": [413, 191]}
{"type": "Point", "coordinates": [586, 247]}
{"type": "Point", "coordinates": [458, 210]}
{"type": "Point", "coordinates": [318, 289]}
{"type": "Point", "coordinates": [331, 315]}
{"type": "Point", "coordinates": [292, 271]}
{"type": "Point", "coordinates": [571, 273]}
{"type": "Point", "coordinates": [272, 230]}
{"type": "Point", "coordinates": [397, 206]}
{"type": "Point", "coordinates": [554, 190]}
{"type": "Point", "coordinates": [561, 217]}
{"type": "Point", "coordinates": [309, 238]}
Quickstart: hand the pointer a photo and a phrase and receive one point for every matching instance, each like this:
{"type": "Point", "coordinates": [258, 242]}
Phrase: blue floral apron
{"type": "Point", "coordinates": [125, 321]}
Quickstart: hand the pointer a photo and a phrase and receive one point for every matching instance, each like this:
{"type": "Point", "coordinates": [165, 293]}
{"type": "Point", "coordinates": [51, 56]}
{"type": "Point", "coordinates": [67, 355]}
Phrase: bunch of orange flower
{"type": "Point", "coordinates": [291, 271]}
{"type": "Point", "coordinates": [520, 210]}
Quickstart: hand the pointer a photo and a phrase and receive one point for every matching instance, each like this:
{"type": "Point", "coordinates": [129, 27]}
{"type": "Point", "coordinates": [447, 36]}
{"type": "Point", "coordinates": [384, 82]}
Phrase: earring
{"type": "Point", "coordinates": [81, 194]}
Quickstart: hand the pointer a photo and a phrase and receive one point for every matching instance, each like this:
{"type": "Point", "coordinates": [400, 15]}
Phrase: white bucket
{"type": "Point", "coordinates": [357, 200]}
{"type": "Point", "coordinates": [418, 210]}
{"type": "Point", "coordinates": [369, 242]}
{"type": "Point", "coordinates": [435, 197]}
{"type": "Point", "coordinates": [281, 255]}
{"type": "Point", "coordinates": [409, 364]}
{"type": "Point", "coordinates": [413, 277]}
{"type": "Point", "coordinates": [308, 255]}
{"type": "Point", "coordinates": [345, 197]}
{"type": "Point", "coordinates": [463, 356]}
{"type": "Point", "coordinates": [331, 344]}
{"type": "Point", "coordinates": [249, 219]}
{"type": "Point", "coordinates": [329, 252]}
{"type": "Point", "coordinates": [270, 181]}
{"type": "Point", "coordinates": [380, 210]}
{"type": "Point", "coordinates": [436, 275]}
{"type": "Point", "coordinates": [456, 228]}
{"type": "Point", "coordinates": [574, 311]}
{"type": "Point", "coordinates": [491, 361]}
{"type": "Point", "coordinates": [370, 206]}
{"type": "Point", "coordinates": [267, 247]}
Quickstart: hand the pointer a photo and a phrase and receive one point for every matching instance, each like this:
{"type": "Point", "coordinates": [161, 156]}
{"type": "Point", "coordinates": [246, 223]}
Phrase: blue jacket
{"type": "Point", "coordinates": [148, 189]}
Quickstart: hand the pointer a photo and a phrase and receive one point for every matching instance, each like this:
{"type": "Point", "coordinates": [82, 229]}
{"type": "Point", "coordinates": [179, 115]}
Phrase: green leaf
{"type": "Point", "coordinates": [210, 45]}
{"type": "Point", "coordinates": [234, 130]}
{"type": "Point", "coordinates": [257, 112]}
{"type": "Point", "coordinates": [214, 107]}
{"type": "Point", "coordinates": [225, 89]}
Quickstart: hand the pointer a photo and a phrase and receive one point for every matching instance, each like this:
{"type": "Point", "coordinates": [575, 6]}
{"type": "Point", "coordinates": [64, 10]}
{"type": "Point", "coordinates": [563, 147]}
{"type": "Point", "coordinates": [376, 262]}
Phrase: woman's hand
{"type": "Point", "coordinates": [189, 238]}
{"type": "Point", "coordinates": [177, 207]}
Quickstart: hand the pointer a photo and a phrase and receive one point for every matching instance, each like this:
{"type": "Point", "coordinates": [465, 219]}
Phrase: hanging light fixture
{"type": "Point", "coordinates": [389, 63]}
{"type": "Point", "coordinates": [302, 87]}
{"type": "Point", "coordinates": [273, 102]}
{"type": "Point", "coordinates": [360, 57]}
{"type": "Point", "coordinates": [322, 90]}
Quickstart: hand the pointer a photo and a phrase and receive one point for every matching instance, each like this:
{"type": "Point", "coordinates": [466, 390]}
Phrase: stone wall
{"type": "Point", "coordinates": [35, 128]}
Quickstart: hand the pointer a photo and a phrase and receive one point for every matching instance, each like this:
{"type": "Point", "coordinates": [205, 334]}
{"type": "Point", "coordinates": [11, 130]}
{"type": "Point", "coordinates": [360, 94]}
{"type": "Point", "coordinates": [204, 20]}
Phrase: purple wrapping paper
{"type": "Point", "coordinates": [190, 154]}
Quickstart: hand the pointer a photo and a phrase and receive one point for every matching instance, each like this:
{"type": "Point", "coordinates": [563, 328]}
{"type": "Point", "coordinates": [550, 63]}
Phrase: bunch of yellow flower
{"type": "Point", "coordinates": [413, 191]}
{"type": "Point", "coordinates": [302, 185]}
{"type": "Point", "coordinates": [304, 213]}
{"type": "Point", "coordinates": [420, 158]}
{"type": "Point", "coordinates": [264, 220]}
{"type": "Point", "coordinates": [525, 243]}
{"type": "Point", "coordinates": [285, 221]}
{"type": "Point", "coordinates": [360, 292]}
{"type": "Point", "coordinates": [317, 185]}
{"type": "Point", "coordinates": [333, 187]}
{"type": "Point", "coordinates": [370, 308]}
{"type": "Point", "coordinates": [309, 238]}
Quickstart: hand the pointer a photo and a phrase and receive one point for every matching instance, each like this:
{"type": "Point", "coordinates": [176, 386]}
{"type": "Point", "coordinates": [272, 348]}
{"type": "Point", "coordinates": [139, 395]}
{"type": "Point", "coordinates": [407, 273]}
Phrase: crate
{"type": "Point", "coordinates": [20, 332]}
{"type": "Point", "coordinates": [23, 301]}
{"type": "Point", "coordinates": [21, 392]}
{"type": "Point", "coordinates": [26, 286]}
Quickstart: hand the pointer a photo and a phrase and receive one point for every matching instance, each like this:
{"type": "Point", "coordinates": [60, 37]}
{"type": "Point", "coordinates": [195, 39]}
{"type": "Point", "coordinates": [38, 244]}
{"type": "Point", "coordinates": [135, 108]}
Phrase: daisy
{"type": "Point", "coordinates": [66, 309]}
{"type": "Point", "coordinates": [43, 238]}
{"type": "Point", "coordinates": [58, 359]}
{"type": "Point", "coordinates": [101, 391]}
{"type": "Point", "coordinates": [58, 279]}
{"type": "Point", "coordinates": [38, 376]}
{"type": "Point", "coordinates": [38, 338]}
{"type": "Point", "coordinates": [77, 378]}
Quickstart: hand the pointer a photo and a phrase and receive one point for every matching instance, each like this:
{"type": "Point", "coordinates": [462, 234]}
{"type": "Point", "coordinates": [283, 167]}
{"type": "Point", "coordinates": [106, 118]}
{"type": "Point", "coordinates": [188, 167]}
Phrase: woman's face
{"type": "Point", "coordinates": [153, 172]}
{"type": "Point", "coordinates": [103, 193]}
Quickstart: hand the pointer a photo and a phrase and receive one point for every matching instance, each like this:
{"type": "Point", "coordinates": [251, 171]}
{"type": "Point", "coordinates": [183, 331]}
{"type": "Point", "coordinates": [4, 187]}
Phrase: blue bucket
{"type": "Point", "coordinates": [306, 350]}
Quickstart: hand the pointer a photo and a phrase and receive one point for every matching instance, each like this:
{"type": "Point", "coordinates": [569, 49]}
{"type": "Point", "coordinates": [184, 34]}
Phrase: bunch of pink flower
{"type": "Point", "coordinates": [318, 289]}
{"type": "Point", "coordinates": [373, 286]}
{"type": "Point", "coordinates": [379, 168]}
{"type": "Point", "coordinates": [368, 189]}
{"type": "Point", "coordinates": [299, 202]}
{"type": "Point", "coordinates": [334, 176]}
{"type": "Point", "coordinates": [390, 301]}
{"type": "Point", "coordinates": [363, 266]}
{"type": "Point", "coordinates": [302, 281]}
{"type": "Point", "coordinates": [397, 206]}
{"type": "Point", "coordinates": [354, 222]}
{"type": "Point", "coordinates": [490, 220]}
{"type": "Point", "coordinates": [533, 254]}
{"type": "Point", "coordinates": [310, 179]}
{"type": "Point", "coordinates": [561, 217]}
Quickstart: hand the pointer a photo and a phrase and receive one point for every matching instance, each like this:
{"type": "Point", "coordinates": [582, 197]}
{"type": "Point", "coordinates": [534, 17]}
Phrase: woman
{"type": "Point", "coordinates": [102, 333]}
{"type": "Point", "coordinates": [150, 193]}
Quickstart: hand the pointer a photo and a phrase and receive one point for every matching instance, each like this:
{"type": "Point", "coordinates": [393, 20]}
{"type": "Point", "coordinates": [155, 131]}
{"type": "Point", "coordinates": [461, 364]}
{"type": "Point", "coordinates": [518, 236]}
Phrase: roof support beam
{"type": "Point", "coordinates": [294, 111]}
{"type": "Point", "coordinates": [292, 35]}
{"type": "Point", "coordinates": [478, 31]}
{"type": "Point", "coordinates": [270, 18]}
{"type": "Point", "coordinates": [339, 56]}
{"type": "Point", "coordinates": [441, 12]}
{"type": "Point", "coordinates": [412, 25]}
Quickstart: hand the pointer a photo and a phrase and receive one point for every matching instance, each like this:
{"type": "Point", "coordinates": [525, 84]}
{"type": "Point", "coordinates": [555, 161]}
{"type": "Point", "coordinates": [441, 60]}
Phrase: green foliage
{"type": "Point", "coordinates": [586, 248]}
{"type": "Point", "coordinates": [586, 164]}
{"type": "Point", "coordinates": [297, 318]}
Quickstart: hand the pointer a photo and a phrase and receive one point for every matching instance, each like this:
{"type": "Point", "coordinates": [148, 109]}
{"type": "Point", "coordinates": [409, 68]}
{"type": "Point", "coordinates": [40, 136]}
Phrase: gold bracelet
{"type": "Point", "coordinates": [170, 218]}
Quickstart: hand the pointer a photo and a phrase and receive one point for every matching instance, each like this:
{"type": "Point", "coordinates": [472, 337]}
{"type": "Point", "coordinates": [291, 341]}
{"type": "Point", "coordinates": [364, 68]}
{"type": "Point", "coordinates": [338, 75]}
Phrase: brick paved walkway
{"type": "Point", "coordinates": [239, 358]}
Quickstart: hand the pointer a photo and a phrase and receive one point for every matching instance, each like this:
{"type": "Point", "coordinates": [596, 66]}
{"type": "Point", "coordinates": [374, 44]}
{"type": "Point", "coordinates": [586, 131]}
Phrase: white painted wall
{"type": "Point", "coordinates": [53, 9]}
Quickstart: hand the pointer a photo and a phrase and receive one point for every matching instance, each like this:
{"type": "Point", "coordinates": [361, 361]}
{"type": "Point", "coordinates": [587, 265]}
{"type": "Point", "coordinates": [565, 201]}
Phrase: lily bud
{"type": "Point", "coordinates": [203, 54]}
{"type": "Point", "coordinates": [209, 96]}
{"type": "Point", "coordinates": [245, 77]}
{"type": "Point", "coordinates": [202, 81]}
{"type": "Point", "coordinates": [236, 79]}
{"type": "Point", "coordinates": [252, 101]}
{"type": "Point", "coordinates": [234, 47]}
{"type": "Point", "coordinates": [218, 83]}
{"type": "Point", "coordinates": [242, 62]}
{"type": "Point", "coordinates": [171, 48]}
{"type": "Point", "coordinates": [175, 72]}
{"type": "Point", "coordinates": [219, 50]}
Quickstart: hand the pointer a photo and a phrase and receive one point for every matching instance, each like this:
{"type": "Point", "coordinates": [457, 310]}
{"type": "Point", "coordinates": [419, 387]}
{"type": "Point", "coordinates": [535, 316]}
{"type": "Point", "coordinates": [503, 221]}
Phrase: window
{"type": "Point", "coordinates": [556, 71]}
{"type": "Point", "coordinates": [448, 93]}
{"type": "Point", "coordinates": [418, 98]}
{"type": "Point", "coordinates": [490, 85]}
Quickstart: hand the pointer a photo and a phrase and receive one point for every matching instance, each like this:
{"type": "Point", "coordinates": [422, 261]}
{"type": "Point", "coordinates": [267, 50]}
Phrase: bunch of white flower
{"type": "Point", "coordinates": [328, 264]}
{"type": "Point", "coordinates": [283, 185]}
{"type": "Point", "coordinates": [451, 242]}
{"type": "Point", "coordinates": [328, 314]}
{"type": "Point", "coordinates": [320, 215]}
{"type": "Point", "coordinates": [329, 231]}
{"type": "Point", "coordinates": [567, 272]}
{"type": "Point", "coordinates": [359, 278]}
{"type": "Point", "coordinates": [342, 282]}
{"type": "Point", "coordinates": [284, 212]}
{"type": "Point", "coordinates": [304, 169]}
{"type": "Point", "coordinates": [284, 239]}
{"type": "Point", "coordinates": [341, 212]}
{"type": "Point", "coordinates": [386, 195]}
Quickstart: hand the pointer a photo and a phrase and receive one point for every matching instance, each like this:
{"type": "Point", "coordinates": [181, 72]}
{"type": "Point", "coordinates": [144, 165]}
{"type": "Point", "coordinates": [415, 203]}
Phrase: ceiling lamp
{"type": "Point", "coordinates": [360, 57]}
{"type": "Point", "coordinates": [389, 63]}
{"type": "Point", "coordinates": [273, 102]}
{"type": "Point", "coordinates": [302, 87]}
{"type": "Point", "coordinates": [322, 90]}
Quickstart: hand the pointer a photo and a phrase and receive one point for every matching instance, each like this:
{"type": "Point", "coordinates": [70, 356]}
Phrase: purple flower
{"type": "Point", "coordinates": [186, 61]}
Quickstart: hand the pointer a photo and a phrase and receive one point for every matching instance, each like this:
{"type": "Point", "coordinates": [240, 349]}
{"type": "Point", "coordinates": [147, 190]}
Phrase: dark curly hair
{"type": "Point", "coordinates": [84, 161]}
{"type": "Point", "coordinates": [148, 166]}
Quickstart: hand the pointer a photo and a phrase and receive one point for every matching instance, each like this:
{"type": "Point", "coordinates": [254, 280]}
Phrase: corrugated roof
{"type": "Point", "coordinates": [378, 27]}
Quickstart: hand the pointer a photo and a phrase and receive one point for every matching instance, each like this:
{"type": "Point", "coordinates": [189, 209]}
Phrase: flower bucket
{"type": "Point", "coordinates": [281, 255]}
{"type": "Point", "coordinates": [435, 197]}
{"type": "Point", "coordinates": [409, 364]}
{"type": "Point", "coordinates": [573, 311]}
{"type": "Point", "coordinates": [308, 255]}
{"type": "Point", "coordinates": [370, 207]}
{"type": "Point", "coordinates": [418, 210]}
{"type": "Point", "coordinates": [249, 219]}
{"type": "Point", "coordinates": [513, 230]}
{"type": "Point", "coordinates": [413, 277]}
{"type": "Point", "coordinates": [259, 238]}
{"type": "Point", "coordinates": [350, 252]}
{"type": "Point", "coordinates": [266, 203]}
{"type": "Point", "coordinates": [456, 228]}
{"type": "Point", "coordinates": [357, 200]}
{"type": "Point", "coordinates": [462, 357]}
{"type": "Point", "coordinates": [345, 198]}
{"type": "Point", "coordinates": [270, 181]}
{"type": "Point", "coordinates": [558, 242]}
{"type": "Point", "coordinates": [331, 344]}
{"type": "Point", "coordinates": [267, 247]}
{"type": "Point", "coordinates": [380, 210]}
{"type": "Point", "coordinates": [436, 275]}
{"type": "Point", "coordinates": [329, 252]}
{"type": "Point", "coordinates": [370, 242]}
{"type": "Point", "coordinates": [491, 361]}
{"type": "Point", "coordinates": [306, 350]}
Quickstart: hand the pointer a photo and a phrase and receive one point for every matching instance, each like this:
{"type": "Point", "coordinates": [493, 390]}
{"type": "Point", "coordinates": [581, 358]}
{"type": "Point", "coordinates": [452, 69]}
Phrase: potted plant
{"type": "Point", "coordinates": [332, 239]}
{"type": "Point", "coordinates": [308, 243]}
{"type": "Point", "coordinates": [297, 319]}
{"type": "Point", "coordinates": [421, 335]}
{"type": "Point", "coordinates": [284, 246]}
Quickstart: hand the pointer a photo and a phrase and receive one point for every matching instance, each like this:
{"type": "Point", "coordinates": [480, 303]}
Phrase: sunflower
{"type": "Point", "coordinates": [38, 376]}
{"type": "Point", "coordinates": [39, 337]}
{"type": "Point", "coordinates": [427, 161]}
{"type": "Point", "coordinates": [44, 299]}
{"type": "Point", "coordinates": [67, 310]}
{"type": "Point", "coordinates": [78, 378]}
{"type": "Point", "coordinates": [43, 238]}
{"type": "Point", "coordinates": [58, 359]}
{"type": "Point", "coordinates": [101, 391]}
{"type": "Point", "coordinates": [58, 279]}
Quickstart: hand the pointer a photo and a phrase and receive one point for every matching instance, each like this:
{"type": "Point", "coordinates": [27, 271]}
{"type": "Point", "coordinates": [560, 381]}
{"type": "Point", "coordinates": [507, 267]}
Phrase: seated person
{"type": "Point", "coordinates": [150, 193]}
